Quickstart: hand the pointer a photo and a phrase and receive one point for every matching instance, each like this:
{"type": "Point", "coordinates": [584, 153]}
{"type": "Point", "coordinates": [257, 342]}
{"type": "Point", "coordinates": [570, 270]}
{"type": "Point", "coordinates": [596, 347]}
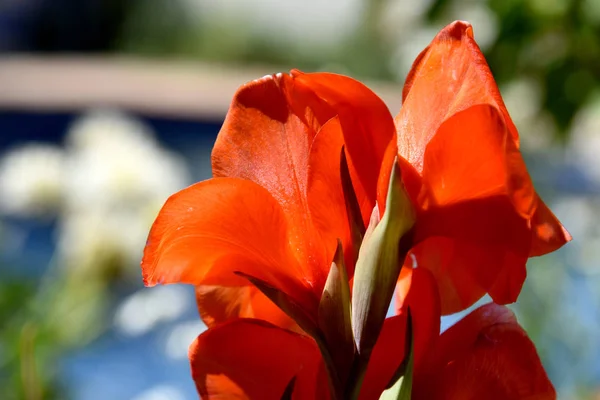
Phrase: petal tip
{"type": "Point", "coordinates": [566, 234]}
{"type": "Point", "coordinates": [263, 94]}
{"type": "Point", "coordinates": [148, 282]}
{"type": "Point", "coordinates": [147, 275]}
{"type": "Point", "coordinates": [457, 29]}
{"type": "Point", "coordinates": [264, 79]}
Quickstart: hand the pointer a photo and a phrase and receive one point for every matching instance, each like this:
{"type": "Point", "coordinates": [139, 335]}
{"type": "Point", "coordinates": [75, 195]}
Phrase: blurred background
{"type": "Point", "coordinates": [109, 106]}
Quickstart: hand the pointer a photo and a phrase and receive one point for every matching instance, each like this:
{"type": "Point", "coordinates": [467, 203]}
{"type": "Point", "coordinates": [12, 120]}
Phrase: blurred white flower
{"type": "Point", "coordinates": [115, 160]}
{"type": "Point", "coordinates": [145, 309]}
{"type": "Point", "coordinates": [31, 180]}
{"type": "Point", "coordinates": [111, 239]}
{"type": "Point", "coordinates": [117, 178]}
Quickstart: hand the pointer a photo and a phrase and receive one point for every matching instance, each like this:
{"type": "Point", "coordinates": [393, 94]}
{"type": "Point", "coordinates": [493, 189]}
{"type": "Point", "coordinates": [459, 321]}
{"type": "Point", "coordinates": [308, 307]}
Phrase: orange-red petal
{"type": "Point", "coordinates": [471, 157]}
{"type": "Point", "coordinates": [388, 354]}
{"type": "Point", "coordinates": [485, 355]}
{"type": "Point", "coordinates": [547, 232]}
{"type": "Point", "coordinates": [325, 193]}
{"type": "Point", "coordinates": [385, 173]}
{"type": "Point", "coordinates": [449, 76]}
{"type": "Point", "coordinates": [475, 205]}
{"type": "Point", "coordinates": [206, 232]}
{"type": "Point", "coordinates": [465, 271]}
{"type": "Point", "coordinates": [218, 304]}
{"type": "Point", "coordinates": [262, 140]}
{"type": "Point", "coordinates": [251, 359]}
{"type": "Point", "coordinates": [366, 123]}
{"type": "Point", "coordinates": [417, 290]}
{"type": "Point", "coordinates": [479, 214]}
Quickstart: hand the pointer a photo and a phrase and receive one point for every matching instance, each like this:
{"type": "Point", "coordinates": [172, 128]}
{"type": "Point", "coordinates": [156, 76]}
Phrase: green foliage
{"type": "Point", "coordinates": [554, 42]}
{"type": "Point", "coordinates": [27, 347]}
{"type": "Point", "coordinates": [41, 321]}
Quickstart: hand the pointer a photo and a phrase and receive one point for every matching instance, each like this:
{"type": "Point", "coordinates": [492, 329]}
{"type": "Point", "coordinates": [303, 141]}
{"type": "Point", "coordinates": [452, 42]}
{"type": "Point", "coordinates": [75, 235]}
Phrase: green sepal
{"type": "Point", "coordinates": [378, 266]}
{"type": "Point", "coordinates": [334, 318]}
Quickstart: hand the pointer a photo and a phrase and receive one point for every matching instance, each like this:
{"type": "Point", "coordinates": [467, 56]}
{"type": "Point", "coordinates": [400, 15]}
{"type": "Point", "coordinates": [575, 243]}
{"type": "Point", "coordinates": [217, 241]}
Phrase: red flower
{"type": "Point", "coordinates": [281, 204]}
{"type": "Point", "coordinates": [479, 217]}
{"type": "Point", "coordinates": [266, 229]}
{"type": "Point", "coordinates": [302, 163]}
{"type": "Point", "coordinates": [485, 355]}
{"type": "Point", "coordinates": [276, 206]}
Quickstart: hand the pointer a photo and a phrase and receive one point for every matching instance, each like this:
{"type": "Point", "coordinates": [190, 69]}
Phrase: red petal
{"type": "Point", "coordinates": [262, 140]}
{"type": "Point", "coordinates": [476, 192]}
{"type": "Point", "coordinates": [471, 157]}
{"type": "Point", "coordinates": [250, 359]}
{"type": "Point", "coordinates": [385, 173]}
{"type": "Point", "coordinates": [205, 233]}
{"type": "Point", "coordinates": [449, 76]}
{"type": "Point", "coordinates": [366, 123]}
{"type": "Point", "coordinates": [458, 288]}
{"type": "Point", "coordinates": [485, 355]}
{"type": "Point", "coordinates": [418, 290]}
{"type": "Point", "coordinates": [388, 354]}
{"type": "Point", "coordinates": [325, 194]}
{"type": "Point", "coordinates": [475, 203]}
{"type": "Point", "coordinates": [547, 232]}
{"type": "Point", "coordinates": [221, 304]}
{"type": "Point", "coordinates": [465, 271]}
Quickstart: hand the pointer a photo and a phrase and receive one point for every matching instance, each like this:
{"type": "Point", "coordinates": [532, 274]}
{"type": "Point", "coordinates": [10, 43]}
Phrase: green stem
{"type": "Point", "coordinates": [357, 375]}
{"type": "Point", "coordinates": [335, 386]}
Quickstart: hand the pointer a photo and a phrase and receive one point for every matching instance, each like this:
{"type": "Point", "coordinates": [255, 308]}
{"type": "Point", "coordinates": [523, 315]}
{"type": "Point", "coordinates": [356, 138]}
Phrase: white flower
{"type": "Point", "coordinates": [117, 178]}
{"type": "Point", "coordinates": [31, 180]}
{"type": "Point", "coordinates": [115, 161]}
{"type": "Point", "coordinates": [111, 239]}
